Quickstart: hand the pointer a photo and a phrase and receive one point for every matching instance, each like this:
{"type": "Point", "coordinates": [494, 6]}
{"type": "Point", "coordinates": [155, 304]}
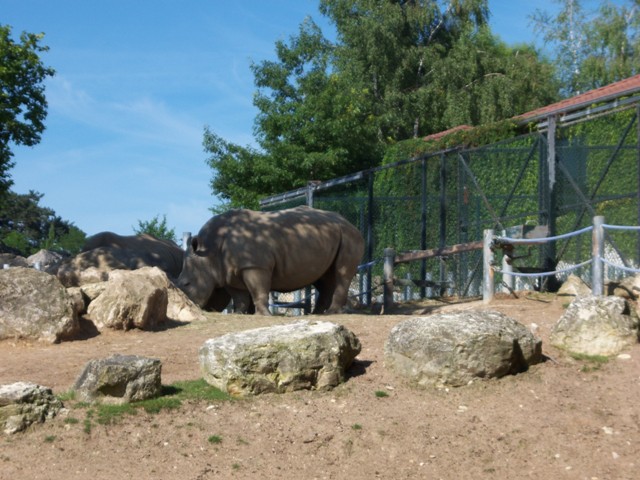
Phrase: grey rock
{"type": "Point", "coordinates": [12, 260]}
{"type": "Point", "coordinates": [34, 305]}
{"type": "Point", "coordinates": [22, 404]}
{"type": "Point", "coordinates": [628, 288]}
{"type": "Point", "coordinates": [45, 260]}
{"type": "Point", "coordinates": [455, 348]}
{"type": "Point", "coordinates": [574, 286]}
{"type": "Point", "coordinates": [594, 325]}
{"type": "Point", "coordinates": [119, 379]}
{"type": "Point", "coordinates": [278, 359]}
{"type": "Point", "coordinates": [131, 299]}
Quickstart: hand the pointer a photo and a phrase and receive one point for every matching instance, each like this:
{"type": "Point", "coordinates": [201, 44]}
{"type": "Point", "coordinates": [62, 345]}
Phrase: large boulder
{"type": "Point", "coordinates": [628, 288]}
{"type": "Point", "coordinates": [131, 299]}
{"type": "Point", "coordinates": [594, 325]}
{"type": "Point", "coordinates": [12, 260]}
{"type": "Point", "coordinates": [282, 358]}
{"type": "Point", "coordinates": [34, 305]}
{"type": "Point", "coordinates": [22, 404]}
{"type": "Point", "coordinates": [108, 251]}
{"type": "Point", "coordinates": [119, 379]}
{"type": "Point", "coordinates": [452, 349]}
{"type": "Point", "coordinates": [45, 260]}
{"type": "Point", "coordinates": [572, 287]}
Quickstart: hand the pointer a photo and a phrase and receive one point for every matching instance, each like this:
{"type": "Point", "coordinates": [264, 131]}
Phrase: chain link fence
{"type": "Point", "coordinates": [560, 176]}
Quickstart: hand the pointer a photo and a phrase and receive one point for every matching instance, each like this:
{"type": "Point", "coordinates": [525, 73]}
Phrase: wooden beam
{"type": "Point", "coordinates": [437, 252]}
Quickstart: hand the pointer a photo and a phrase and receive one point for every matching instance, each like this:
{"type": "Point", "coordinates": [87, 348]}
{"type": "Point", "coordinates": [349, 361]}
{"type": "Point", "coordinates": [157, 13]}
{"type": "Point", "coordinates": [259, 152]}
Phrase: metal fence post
{"type": "Point", "coordinates": [387, 275]}
{"type": "Point", "coordinates": [507, 278]}
{"type": "Point", "coordinates": [488, 285]}
{"type": "Point", "coordinates": [186, 241]}
{"type": "Point", "coordinates": [597, 252]}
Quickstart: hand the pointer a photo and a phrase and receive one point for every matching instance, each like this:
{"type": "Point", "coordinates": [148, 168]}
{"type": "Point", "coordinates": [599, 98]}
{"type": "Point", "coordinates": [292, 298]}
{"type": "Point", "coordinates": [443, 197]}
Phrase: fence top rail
{"type": "Point", "coordinates": [542, 240]}
{"type": "Point", "coordinates": [621, 227]}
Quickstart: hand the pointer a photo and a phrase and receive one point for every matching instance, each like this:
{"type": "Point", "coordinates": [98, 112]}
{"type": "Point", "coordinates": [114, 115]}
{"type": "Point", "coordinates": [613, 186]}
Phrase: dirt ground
{"type": "Point", "coordinates": [564, 418]}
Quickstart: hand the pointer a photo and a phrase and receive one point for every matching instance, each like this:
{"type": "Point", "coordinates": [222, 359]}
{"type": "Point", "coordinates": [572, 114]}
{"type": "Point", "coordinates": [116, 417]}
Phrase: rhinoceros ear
{"type": "Point", "coordinates": [193, 245]}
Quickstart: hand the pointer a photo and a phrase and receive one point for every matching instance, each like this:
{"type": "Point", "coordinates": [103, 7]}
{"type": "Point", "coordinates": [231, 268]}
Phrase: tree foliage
{"type": "Point", "coordinates": [157, 228]}
{"type": "Point", "coordinates": [23, 106]}
{"type": "Point", "coordinates": [592, 49]}
{"type": "Point", "coordinates": [397, 70]}
{"type": "Point", "coordinates": [26, 227]}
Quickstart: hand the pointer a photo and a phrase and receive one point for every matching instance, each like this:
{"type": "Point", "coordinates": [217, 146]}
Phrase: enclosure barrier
{"type": "Point", "coordinates": [488, 245]}
{"type": "Point", "coordinates": [391, 259]}
{"type": "Point", "coordinates": [597, 260]}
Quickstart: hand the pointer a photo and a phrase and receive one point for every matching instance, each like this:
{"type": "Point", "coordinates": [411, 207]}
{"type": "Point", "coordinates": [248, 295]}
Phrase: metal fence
{"type": "Point", "coordinates": [561, 175]}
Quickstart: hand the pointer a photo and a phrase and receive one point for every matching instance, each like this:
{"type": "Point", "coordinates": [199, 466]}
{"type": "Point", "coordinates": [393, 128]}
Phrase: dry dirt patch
{"type": "Point", "coordinates": [564, 418]}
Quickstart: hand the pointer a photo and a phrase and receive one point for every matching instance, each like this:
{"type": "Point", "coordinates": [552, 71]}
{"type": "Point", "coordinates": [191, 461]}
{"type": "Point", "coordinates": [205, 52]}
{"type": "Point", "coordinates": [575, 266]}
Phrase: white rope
{"type": "Point", "coordinates": [545, 239]}
{"type": "Point", "coordinates": [620, 227]}
{"type": "Point", "coordinates": [545, 274]}
{"type": "Point", "coordinates": [621, 267]}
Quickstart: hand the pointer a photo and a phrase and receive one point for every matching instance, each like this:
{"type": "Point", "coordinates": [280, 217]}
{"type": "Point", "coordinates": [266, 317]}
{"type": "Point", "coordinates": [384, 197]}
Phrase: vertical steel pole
{"type": "Point", "coordinates": [507, 270]}
{"type": "Point", "coordinates": [638, 176]}
{"type": "Point", "coordinates": [549, 248]}
{"type": "Point", "coordinates": [488, 285]}
{"type": "Point", "coordinates": [423, 232]}
{"type": "Point", "coordinates": [387, 275]}
{"type": "Point", "coordinates": [186, 241]}
{"type": "Point", "coordinates": [443, 219]}
{"type": "Point", "coordinates": [597, 252]}
{"type": "Point", "coordinates": [369, 238]}
{"type": "Point", "coordinates": [310, 190]}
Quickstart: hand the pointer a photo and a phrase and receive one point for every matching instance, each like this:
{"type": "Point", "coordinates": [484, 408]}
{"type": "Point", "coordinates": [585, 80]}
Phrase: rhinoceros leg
{"type": "Point", "coordinates": [218, 301]}
{"type": "Point", "coordinates": [242, 302]}
{"type": "Point", "coordinates": [326, 286]}
{"type": "Point", "coordinates": [258, 282]}
{"type": "Point", "coordinates": [340, 275]}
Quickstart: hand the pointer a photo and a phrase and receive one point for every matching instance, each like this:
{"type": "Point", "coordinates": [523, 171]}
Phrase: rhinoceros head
{"type": "Point", "coordinates": [198, 277]}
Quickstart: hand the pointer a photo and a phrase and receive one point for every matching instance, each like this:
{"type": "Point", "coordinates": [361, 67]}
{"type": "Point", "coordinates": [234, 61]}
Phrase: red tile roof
{"type": "Point", "coordinates": [436, 136]}
{"type": "Point", "coordinates": [608, 92]}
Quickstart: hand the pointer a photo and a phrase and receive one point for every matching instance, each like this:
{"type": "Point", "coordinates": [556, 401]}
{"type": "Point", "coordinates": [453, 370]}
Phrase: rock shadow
{"type": "Point", "coordinates": [357, 368]}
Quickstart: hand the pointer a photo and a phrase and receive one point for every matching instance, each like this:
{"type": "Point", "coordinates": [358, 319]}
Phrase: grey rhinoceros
{"type": "Point", "coordinates": [248, 254]}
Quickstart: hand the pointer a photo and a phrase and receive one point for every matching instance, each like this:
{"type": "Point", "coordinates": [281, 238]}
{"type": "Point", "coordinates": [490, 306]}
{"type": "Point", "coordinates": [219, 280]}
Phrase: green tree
{"type": "Point", "coordinates": [592, 49]}
{"type": "Point", "coordinates": [398, 70]}
{"type": "Point", "coordinates": [26, 227]}
{"type": "Point", "coordinates": [23, 106]}
{"type": "Point", "coordinates": [157, 228]}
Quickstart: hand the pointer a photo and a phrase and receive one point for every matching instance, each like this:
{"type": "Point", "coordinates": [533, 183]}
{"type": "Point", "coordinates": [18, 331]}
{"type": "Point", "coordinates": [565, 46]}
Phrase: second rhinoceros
{"type": "Point", "coordinates": [249, 253]}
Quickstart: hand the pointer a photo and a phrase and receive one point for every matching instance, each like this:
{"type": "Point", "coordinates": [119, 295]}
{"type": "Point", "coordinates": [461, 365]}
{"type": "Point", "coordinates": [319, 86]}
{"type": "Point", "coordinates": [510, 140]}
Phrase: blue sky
{"type": "Point", "coordinates": [138, 80]}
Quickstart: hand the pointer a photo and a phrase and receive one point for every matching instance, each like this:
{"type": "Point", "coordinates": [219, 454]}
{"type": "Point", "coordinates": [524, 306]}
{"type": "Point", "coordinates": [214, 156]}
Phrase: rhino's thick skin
{"type": "Point", "coordinates": [244, 251]}
{"type": "Point", "coordinates": [107, 251]}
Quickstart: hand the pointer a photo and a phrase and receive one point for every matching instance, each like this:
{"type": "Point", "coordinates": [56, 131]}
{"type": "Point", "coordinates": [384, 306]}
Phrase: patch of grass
{"type": "Point", "coordinates": [171, 398]}
{"type": "Point", "coordinates": [87, 426]}
{"type": "Point", "coordinates": [381, 394]}
{"type": "Point", "coordinates": [592, 363]}
{"type": "Point", "coordinates": [356, 426]}
{"type": "Point", "coordinates": [602, 359]}
{"type": "Point", "coordinates": [198, 390]}
{"type": "Point", "coordinates": [49, 438]}
{"type": "Point", "coordinates": [236, 466]}
{"type": "Point", "coordinates": [109, 414]}
{"type": "Point", "coordinates": [71, 420]}
{"type": "Point", "coordinates": [67, 396]}
{"type": "Point", "coordinates": [155, 405]}
{"type": "Point", "coordinates": [215, 439]}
